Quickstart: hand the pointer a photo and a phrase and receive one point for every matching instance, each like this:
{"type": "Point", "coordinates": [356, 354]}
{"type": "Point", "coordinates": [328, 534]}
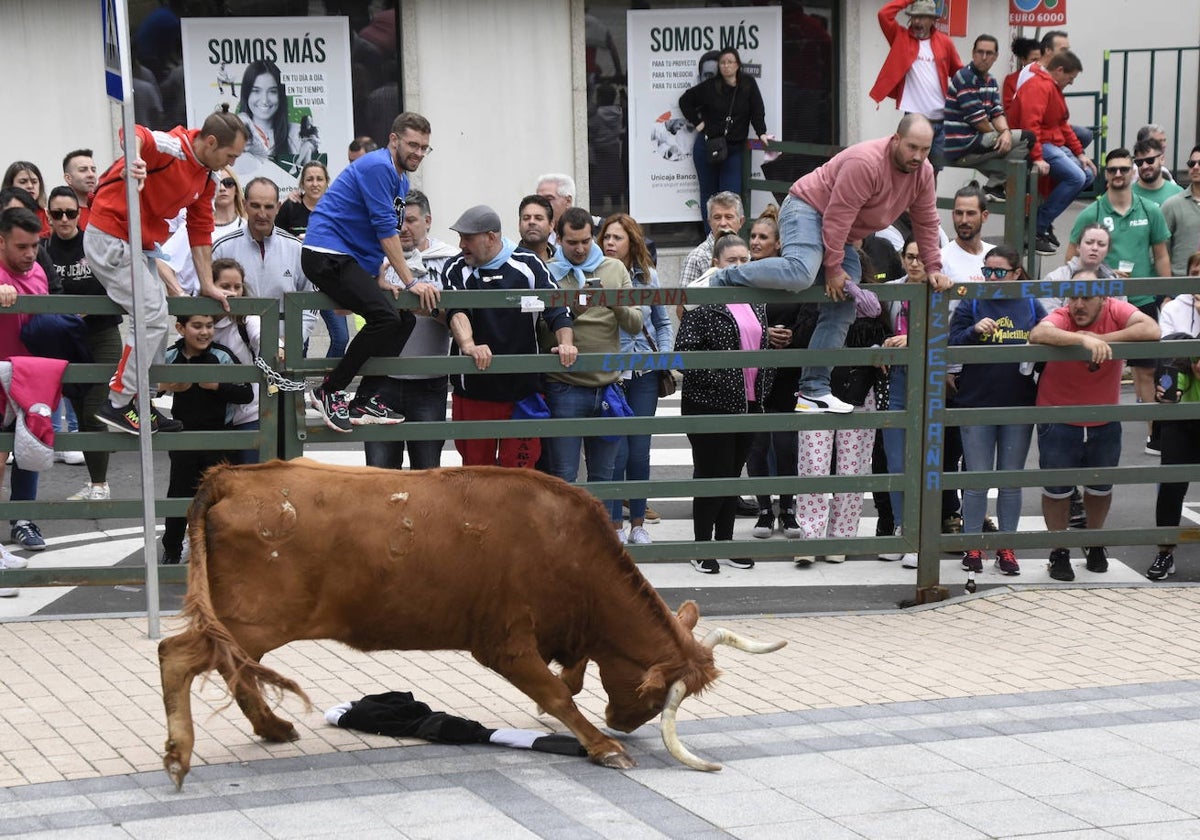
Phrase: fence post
{"type": "Point", "coordinates": [932, 447]}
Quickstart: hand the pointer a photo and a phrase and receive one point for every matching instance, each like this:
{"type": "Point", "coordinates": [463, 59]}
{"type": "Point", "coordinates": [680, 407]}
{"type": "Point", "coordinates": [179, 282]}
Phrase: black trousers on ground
{"type": "Point", "coordinates": [1180, 440]}
{"type": "Point", "coordinates": [386, 329]}
{"type": "Point", "coordinates": [187, 466]}
{"type": "Point", "coordinates": [716, 455]}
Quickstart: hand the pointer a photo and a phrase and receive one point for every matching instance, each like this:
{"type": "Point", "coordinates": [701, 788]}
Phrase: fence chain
{"type": "Point", "coordinates": [276, 381]}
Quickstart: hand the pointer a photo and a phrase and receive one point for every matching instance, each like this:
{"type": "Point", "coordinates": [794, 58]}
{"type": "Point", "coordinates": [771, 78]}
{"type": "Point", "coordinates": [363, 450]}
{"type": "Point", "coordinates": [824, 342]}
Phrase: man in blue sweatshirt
{"type": "Point", "coordinates": [355, 225]}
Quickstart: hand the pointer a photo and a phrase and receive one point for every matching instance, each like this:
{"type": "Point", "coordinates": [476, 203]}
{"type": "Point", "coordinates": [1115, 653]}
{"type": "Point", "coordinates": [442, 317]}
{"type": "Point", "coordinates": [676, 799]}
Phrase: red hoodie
{"type": "Point", "coordinates": [903, 53]}
{"type": "Point", "coordinates": [175, 179]}
{"type": "Point", "coordinates": [1040, 107]}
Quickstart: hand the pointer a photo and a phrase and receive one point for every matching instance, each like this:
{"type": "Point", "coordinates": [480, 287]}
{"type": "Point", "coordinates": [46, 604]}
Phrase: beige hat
{"type": "Point", "coordinates": [922, 8]}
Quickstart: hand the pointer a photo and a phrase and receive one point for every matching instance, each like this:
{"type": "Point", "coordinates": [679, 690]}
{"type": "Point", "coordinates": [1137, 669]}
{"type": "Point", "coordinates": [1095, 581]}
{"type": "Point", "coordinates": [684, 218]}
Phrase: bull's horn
{"type": "Point", "coordinates": [671, 738]}
{"type": "Point", "coordinates": [721, 636]}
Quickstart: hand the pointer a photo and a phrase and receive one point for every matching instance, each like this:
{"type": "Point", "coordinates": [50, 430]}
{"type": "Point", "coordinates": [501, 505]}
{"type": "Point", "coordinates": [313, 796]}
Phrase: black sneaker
{"type": "Point", "coordinates": [1060, 564]}
{"type": "Point", "coordinates": [1153, 447]}
{"type": "Point", "coordinates": [740, 563]}
{"type": "Point", "coordinates": [707, 567]}
{"type": "Point", "coordinates": [171, 558]}
{"type": "Point", "coordinates": [790, 527]}
{"type": "Point", "coordinates": [1163, 565]}
{"type": "Point", "coordinates": [1053, 237]}
{"type": "Point", "coordinates": [122, 419]}
{"type": "Point", "coordinates": [333, 408]}
{"type": "Point", "coordinates": [989, 525]}
{"type": "Point", "coordinates": [765, 525]}
{"type": "Point", "coordinates": [373, 412]}
{"type": "Point", "coordinates": [746, 507]}
{"type": "Point", "coordinates": [1045, 246]}
{"type": "Point", "coordinates": [160, 422]}
{"type": "Point", "coordinates": [952, 524]}
{"type": "Point", "coordinates": [1097, 559]}
{"type": "Point", "coordinates": [996, 195]}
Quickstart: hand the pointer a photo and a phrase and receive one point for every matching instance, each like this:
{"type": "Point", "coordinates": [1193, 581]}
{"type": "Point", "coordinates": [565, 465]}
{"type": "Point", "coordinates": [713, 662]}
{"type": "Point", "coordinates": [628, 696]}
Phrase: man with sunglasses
{"type": "Point", "coordinates": [1182, 213]}
{"type": "Point", "coordinates": [1151, 183]}
{"type": "Point", "coordinates": [353, 230]}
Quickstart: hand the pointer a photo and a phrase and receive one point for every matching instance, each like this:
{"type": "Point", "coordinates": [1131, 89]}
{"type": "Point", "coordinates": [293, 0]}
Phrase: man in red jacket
{"type": "Point", "coordinates": [1039, 107]}
{"type": "Point", "coordinates": [918, 67]}
{"type": "Point", "coordinates": [174, 170]}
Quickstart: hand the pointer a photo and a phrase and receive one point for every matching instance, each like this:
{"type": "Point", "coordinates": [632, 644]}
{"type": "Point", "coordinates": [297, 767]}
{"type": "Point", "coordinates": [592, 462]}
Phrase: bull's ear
{"type": "Point", "coordinates": [654, 681]}
{"type": "Point", "coordinates": [688, 614]}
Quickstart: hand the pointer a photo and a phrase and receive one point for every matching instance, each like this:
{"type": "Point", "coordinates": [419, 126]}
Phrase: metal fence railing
{"type": "Point", "coordinates": [921, 482]}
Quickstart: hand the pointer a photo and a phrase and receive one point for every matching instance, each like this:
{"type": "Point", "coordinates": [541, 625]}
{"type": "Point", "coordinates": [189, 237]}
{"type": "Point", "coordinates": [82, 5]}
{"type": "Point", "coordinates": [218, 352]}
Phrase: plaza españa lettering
{"type": "Point", "coordinates": [935, 377]}
{"type": "Point", "coordinates": [642, 361]}
{"type": "Point", "coordinates": [1060, 289]}
{"type": "Point", "coordinates": [644, 296]}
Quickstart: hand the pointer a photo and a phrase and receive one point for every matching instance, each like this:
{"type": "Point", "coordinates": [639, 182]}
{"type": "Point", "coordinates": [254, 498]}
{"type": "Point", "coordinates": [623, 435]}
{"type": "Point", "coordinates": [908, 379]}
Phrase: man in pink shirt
{"type": "Point", "coordinates": [860, 191]}
{"type": "Point", "coordinates": [1092, 323]}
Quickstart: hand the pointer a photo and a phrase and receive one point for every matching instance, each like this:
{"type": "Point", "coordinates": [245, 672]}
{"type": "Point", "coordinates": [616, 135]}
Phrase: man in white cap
{"type": "Point", "coordinates": [918, 67]}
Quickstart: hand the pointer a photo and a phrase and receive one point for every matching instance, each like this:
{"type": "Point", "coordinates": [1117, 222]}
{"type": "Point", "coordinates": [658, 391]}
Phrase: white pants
{"type": "Point", "coordinates": [111, 261]}
{"type": "Point", "coordinates": [818, 517]}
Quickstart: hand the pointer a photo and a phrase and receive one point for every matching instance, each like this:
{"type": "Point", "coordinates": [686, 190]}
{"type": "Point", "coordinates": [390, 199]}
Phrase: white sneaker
{"type": "Point", "coordinates": [827, 403]}
{"type": "Point", "coordinates": [639, 536]}
{"type": "Point", "coordinates": [804, 560]}
{"type": "Point", "coordinates": [8, 560]}
{"type": "Point", "coordinates": [909, 560]}
{"type": "Point", "coordinates": [91, 493]}
{"type": "Point", "coordinates": [835, 558]}
{"type": "Point", "coordinates": [621, 538]}
{"type": "Point", "coordinates": [899, 555]}
{"type": "Point", "coordinates": [9, 593]}
{"type": "Point", "coordinates": [72, 456]}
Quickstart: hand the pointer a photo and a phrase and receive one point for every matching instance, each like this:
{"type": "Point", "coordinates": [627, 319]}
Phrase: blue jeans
{"type": "Point", "coordinates": [245, 456]}
{"type": "Point", "coordinates": [577, 401]}
{"type": "Point", "coordinates": [987, 448]}
{"type": "Point", "coordinates": [632, 458]}
{"type": "Point", "coordinates": [339, 333]}
{"type": "Point", "coordinates": [800, 266]}
{"type": "Point", "coordinates": [716, 177]}
{"type": "Point", "coordinates": [419, 400]}
{"type": "Point", "coordinates": [1071, 179]}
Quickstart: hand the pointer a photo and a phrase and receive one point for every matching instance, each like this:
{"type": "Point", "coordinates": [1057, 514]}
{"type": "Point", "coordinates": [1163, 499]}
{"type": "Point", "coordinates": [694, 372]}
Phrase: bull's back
{"type": "Point", "coordinates": [434, 559]}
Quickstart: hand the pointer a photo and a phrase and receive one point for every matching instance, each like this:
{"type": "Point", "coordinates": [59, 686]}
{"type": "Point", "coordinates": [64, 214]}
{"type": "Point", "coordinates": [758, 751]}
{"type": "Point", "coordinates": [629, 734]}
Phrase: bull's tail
{"type": "Point", "coordinates": [217, 649]}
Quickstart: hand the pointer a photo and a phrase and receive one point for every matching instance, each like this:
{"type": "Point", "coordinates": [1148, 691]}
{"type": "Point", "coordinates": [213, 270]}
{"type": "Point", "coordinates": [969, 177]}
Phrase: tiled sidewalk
{"type": "Point", "coordinates": [82, 698]}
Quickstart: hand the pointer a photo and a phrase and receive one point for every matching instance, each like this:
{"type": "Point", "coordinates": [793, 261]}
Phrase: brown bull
{"type": "Point", "coordinates": [514, 566]}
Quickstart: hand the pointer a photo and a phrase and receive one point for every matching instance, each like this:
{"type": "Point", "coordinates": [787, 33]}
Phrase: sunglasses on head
{"type": "Point", "coordinates": [228, 183]}
{"type": "Point", "coordinates": [63, 214]}
{"type": "Point", "coordinates": [1117, 170]}
{"type": "Point", "coordinates": [991, 273]}
{"type": "Point", "coordinates": [1145, 160]}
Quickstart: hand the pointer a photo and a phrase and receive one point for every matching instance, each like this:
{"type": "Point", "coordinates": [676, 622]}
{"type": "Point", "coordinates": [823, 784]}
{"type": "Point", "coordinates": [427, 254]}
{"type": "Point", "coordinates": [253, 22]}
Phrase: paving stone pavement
{"type": "Point", "coordinates": [1043, 713]}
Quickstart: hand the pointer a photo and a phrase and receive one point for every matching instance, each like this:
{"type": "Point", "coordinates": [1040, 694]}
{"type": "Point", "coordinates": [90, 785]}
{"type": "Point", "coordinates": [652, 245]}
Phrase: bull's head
{"type": "Point", "coordinates": [637, 695]}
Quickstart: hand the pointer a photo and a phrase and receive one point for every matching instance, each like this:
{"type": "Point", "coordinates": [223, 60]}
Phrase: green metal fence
{"type": "Point", "coordinates": [1146, 100]}
{"type": "Point", "coordinates": [921, 481]}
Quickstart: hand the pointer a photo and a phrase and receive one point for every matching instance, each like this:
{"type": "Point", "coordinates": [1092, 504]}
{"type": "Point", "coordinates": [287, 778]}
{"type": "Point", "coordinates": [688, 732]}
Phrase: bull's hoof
{"type": "Point", "coordinates": [175, 769]}
{"type": "Point", "coordinates": [279, 731]}
{"type": "Point", "coordinates": [616, 760]}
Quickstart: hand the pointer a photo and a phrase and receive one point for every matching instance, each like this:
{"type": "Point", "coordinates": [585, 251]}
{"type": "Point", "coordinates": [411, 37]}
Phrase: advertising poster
{"type": "Point", "coordinates": [665, 48]}
{"type": "Point", "coordinates": [287, 78]}
{"type": "Point", "coordinates": [1037, 12]}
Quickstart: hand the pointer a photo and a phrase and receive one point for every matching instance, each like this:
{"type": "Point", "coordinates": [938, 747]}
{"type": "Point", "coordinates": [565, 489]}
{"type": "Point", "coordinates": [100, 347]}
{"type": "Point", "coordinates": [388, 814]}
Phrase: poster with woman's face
{"type": "Point", "coordinates": [287, 79]}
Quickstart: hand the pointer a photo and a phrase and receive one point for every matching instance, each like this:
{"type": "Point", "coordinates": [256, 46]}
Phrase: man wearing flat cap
{"type": "Point", "coordinates": [918, 67]}
{"type": "Point", "coordinates": [491, 261]}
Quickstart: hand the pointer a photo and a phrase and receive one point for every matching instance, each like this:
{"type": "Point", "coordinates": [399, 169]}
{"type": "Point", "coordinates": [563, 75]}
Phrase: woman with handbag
{"type": "Point", "coordinates": [730, 326]}
{"type": "Point", "coordinates": [723, 110]}
{"type": "Point", "coordinates": [621, 238]}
